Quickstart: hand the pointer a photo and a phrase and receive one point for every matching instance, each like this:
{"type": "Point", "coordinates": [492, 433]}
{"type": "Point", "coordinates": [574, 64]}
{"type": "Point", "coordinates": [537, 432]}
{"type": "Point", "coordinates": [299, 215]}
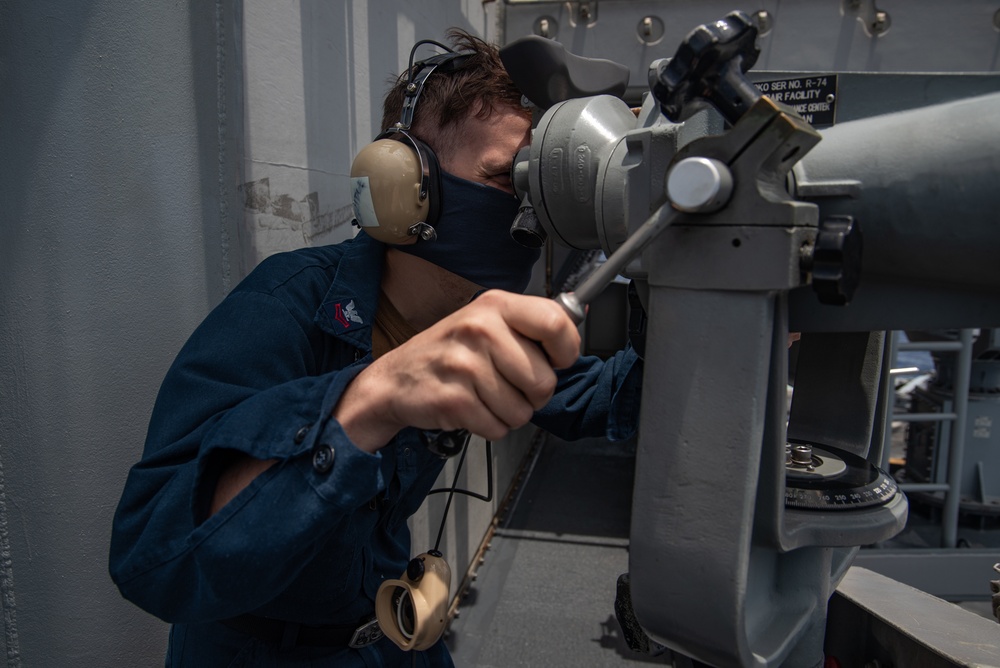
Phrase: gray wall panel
{"type": "Point", "coordinates": [112, 250]}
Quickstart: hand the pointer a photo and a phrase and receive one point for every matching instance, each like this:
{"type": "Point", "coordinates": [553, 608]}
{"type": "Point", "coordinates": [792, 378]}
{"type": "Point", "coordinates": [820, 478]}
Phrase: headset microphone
{"type": "Point", "coordinates": [413, 610]}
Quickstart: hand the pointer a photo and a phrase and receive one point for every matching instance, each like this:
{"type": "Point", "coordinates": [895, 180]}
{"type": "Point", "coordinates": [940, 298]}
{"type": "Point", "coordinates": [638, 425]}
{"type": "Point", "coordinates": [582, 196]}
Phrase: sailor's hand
{"type": "Point", "coordinates": [486, 368]}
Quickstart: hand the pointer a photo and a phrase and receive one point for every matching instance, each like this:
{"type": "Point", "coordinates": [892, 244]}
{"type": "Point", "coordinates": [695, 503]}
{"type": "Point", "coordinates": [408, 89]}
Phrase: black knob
{"type": "Point", "coordinates": [836, 260]}
{"type": "Point", "coordinates": [527, 230]}
{"type": "Point", "coordinates": [415, 569]}
{"type": "Point", "coordinates": [709, 68]}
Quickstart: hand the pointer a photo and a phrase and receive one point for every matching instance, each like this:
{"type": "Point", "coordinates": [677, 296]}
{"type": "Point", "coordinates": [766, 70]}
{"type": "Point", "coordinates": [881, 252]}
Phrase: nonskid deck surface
{"type": "Point", "coordinates": [545, 593]}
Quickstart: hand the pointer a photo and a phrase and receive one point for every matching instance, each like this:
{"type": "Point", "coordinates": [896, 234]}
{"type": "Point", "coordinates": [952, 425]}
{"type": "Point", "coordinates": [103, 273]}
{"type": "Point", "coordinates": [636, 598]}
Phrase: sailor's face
{"type": "Point", "coordinates": [483, 150]}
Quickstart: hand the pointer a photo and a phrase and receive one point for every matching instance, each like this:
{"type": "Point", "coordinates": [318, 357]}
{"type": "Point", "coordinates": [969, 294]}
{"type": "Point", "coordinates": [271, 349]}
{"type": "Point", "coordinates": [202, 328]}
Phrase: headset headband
{"type": "Point", "coordinates": [448, 62]}
{"type": "Point", "coordinates": [417, 75]}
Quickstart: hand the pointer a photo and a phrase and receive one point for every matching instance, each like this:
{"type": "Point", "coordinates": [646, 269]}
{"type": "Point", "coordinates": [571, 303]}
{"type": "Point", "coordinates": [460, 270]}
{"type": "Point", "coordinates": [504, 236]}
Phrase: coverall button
{"type": "Point", "coordinates": [301, 434]}
{"type": "Point", "coordinates": [323, 459]}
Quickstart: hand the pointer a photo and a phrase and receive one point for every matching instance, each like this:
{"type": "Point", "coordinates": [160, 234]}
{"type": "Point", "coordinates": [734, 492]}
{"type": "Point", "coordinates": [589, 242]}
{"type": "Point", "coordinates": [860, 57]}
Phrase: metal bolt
{"type": "Point", "coordinates": [649, 30]}
{"type": "Point", "coordinates": [762, 19]}
{"type": "Point", "coordinates": [801, 454]}
{"type": "Point", "coordinates": [881, 22]}
{"type": "Point", "coordinates": [546, 26]}
{"type": "Point", "coordinates": [585, 11]}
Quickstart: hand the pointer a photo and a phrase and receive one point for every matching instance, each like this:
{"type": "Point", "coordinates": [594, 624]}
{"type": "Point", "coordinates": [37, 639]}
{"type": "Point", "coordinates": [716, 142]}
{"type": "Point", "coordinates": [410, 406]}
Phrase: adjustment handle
{"type": "Point", "coordinates": [708, 69]}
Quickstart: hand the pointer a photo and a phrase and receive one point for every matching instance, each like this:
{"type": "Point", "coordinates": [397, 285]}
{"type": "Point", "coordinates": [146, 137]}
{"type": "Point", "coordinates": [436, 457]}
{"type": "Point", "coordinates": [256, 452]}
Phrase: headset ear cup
{"type": "Point", "coordinates": [385, 189]}
{"type": "Point", "coordinates": [383, 180]}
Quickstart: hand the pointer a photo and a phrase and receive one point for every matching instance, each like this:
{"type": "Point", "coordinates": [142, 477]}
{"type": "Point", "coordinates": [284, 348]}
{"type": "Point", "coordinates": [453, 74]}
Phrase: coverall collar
{"type": "Point", "coordinates": [348, 309]}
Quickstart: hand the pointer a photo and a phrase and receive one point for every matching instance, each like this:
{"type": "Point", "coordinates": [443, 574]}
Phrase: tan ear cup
{"type": "Point", "coordinates": [385, 188]}
{"type": "Point", "coordinates": [413, 613]}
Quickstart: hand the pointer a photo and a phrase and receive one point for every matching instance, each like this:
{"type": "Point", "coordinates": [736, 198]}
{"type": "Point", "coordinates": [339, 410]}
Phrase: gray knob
{"type": "Point", "coordinates": [699, 185]}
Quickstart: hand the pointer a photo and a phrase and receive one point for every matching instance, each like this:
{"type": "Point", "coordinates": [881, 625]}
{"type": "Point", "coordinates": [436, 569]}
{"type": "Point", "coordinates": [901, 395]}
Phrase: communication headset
{"type": "Point", "coordinates": [395, 180]}
{"type": "Point", "coordinates": [396, 189]}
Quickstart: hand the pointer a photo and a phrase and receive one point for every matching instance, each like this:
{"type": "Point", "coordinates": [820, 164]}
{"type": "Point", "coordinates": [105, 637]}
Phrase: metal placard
{"type": "Point", "coordinates": [813, 97]}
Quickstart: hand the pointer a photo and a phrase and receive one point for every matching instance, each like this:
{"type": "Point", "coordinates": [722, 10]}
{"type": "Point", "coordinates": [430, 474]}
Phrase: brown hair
{"type": "Point", "coordinates": [478, 86]}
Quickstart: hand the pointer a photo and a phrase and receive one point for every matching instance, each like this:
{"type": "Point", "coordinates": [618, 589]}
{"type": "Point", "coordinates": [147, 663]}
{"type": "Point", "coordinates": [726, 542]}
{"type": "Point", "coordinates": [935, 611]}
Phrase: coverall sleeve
{"type": "Point", "coordinates": [596, 398]}
{"type": "Point", "coordinates": [245, 381]}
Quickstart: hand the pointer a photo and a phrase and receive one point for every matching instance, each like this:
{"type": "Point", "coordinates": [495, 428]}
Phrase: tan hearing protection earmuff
{"type": "Point", "coordinates": [390, 192]}
{"type": "Point", "coordinates": [395, 183]}
{"type": "Point", "coordinates": [413, 611]}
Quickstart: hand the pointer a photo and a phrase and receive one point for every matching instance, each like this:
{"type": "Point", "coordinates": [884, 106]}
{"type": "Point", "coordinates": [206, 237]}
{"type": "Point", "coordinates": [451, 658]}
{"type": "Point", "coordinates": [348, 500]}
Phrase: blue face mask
{"type": "Point", "coordinates": [473, 237]}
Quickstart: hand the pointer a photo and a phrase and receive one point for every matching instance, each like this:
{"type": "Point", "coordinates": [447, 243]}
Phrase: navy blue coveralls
{"type": "Point", "coordinates": [312, 538]}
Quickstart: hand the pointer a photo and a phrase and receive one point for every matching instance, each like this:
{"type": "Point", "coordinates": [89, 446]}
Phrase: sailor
{"type": "Point", "coordinates": [288, 442]}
